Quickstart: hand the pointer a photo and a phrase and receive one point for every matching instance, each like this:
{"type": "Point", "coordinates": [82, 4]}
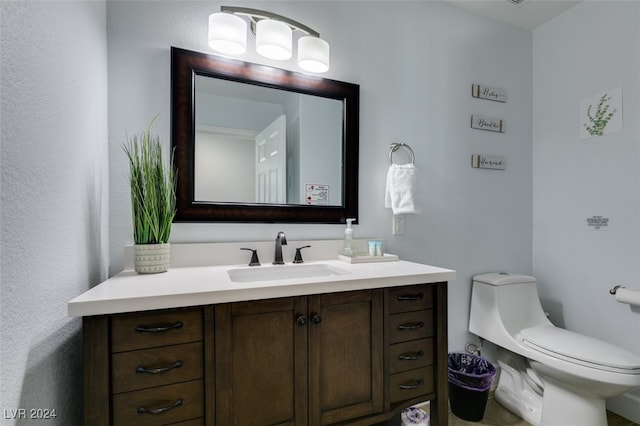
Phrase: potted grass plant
{"type": "Point", "coordinates": [153, 201]}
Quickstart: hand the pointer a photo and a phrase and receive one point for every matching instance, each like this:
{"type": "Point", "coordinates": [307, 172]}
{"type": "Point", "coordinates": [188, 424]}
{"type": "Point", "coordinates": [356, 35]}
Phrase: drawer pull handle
{"type": "Point", "coordinates": [411, 326]}
{"type": "Point", "coordinates": [175, 326]}
{"type": "Point", "coordinates": [410, 297]}
{"type": "Point", "coordinates": [159, 410]}
{"type": "Point", "coordinates": [141, 369]}
{"type": "Point", "coordinates": [411, 357]}
{"type": "Point", "coordinates": [410, 386]}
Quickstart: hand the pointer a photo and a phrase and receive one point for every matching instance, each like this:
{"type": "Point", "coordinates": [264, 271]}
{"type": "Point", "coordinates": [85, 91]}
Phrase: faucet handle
{"type": "Point", "coordinates": [254, 256]}
{"type": "Point", "coordinates": [298, 256]}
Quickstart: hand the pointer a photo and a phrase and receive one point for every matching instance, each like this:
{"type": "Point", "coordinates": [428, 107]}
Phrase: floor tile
{"type": "Point", "coordinates": [496, 415]}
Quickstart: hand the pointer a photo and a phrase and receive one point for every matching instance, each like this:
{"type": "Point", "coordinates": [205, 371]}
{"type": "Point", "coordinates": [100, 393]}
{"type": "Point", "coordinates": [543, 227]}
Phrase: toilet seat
{"type": "Point", "coordinates": [579, 349]}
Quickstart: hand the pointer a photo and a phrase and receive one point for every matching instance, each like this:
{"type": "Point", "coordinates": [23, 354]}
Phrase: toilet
{"type": "Point", "coordinates": [549, 376]}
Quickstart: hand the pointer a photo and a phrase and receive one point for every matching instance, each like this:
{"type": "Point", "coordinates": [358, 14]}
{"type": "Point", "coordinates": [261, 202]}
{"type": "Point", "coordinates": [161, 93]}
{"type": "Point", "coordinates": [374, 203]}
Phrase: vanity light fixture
{"type": "Point", "coordinates": [227, 33]}
{"type": "Point", "coordinates": [274, 37]}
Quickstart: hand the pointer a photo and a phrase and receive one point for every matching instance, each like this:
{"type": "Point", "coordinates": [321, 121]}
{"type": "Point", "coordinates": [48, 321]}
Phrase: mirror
{"type": "Point", "coordinates": [259, 144]}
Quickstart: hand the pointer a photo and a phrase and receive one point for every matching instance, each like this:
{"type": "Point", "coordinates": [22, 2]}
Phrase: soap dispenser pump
{"type": "Point", "coordinates": [348, 238]}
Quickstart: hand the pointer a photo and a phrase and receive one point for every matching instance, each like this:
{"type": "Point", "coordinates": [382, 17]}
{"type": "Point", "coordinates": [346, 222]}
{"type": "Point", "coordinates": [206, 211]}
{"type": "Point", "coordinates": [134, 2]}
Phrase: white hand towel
{"type": "Point", "coordinates": [402, 189]}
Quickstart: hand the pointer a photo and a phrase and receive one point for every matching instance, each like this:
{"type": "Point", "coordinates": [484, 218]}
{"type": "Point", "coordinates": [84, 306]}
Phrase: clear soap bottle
{"type": "Point", "coordinates": [348, 239]}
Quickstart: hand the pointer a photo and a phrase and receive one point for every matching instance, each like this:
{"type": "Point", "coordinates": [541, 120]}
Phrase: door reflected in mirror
{"type": "Point", "coordinates": [257, 144]}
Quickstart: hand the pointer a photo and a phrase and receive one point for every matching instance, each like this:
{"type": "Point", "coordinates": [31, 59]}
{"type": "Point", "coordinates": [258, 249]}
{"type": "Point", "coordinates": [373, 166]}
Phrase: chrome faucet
{"type": "Point", "coordinates": [281, 240]}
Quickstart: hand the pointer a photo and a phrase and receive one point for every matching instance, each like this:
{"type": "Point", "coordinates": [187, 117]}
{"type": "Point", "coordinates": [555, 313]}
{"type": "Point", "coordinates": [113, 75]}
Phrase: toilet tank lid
{"type": "Point", "coordinates": [502, 278]}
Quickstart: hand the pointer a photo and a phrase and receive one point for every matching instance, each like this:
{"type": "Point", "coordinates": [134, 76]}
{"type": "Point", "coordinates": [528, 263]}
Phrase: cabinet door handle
{"type": "Point", "coordinates": [410, 297]}
{"type": "Point", "coordinates": [159, 410]}
{"type": "Point", "coordinates": [161, 329]}
{"type": "Point", "coordinates": [301, 321]}
{"type": "Point", "coordinates": [411, 326]}
{"type": "Point", "coordinates": [141, 369]}
{"type": "Point", "coordinates": [316, 319]}
{"type": "Point", "coordinates": [414, 385]}
{"type": "Point", "coordinates": [411, 357]}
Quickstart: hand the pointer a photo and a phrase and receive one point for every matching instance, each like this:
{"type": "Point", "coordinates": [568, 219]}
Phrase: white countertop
{"type": "Point", "coordinates": [203, 285]}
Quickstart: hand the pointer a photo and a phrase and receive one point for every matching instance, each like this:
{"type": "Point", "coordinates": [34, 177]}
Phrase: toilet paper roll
{"type": "Point", "coordinates": [626, 295]}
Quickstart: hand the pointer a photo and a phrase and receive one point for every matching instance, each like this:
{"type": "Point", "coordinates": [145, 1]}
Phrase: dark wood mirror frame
{"type": "Point", "coordinates": [185, 65]}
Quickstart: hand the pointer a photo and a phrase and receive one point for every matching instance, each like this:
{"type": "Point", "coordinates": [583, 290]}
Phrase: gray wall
{"type": "Point", "coordinates": [54, 170]}
{"type": "Point", "coordinates": [578, 178]}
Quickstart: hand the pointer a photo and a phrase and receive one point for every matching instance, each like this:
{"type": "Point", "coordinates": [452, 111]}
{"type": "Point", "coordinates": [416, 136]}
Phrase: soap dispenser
{"type": "Point", "coordinates": [348, 238]}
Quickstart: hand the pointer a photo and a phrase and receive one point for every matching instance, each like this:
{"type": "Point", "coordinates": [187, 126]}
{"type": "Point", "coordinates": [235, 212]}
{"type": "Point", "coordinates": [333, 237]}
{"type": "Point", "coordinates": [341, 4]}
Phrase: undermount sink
{"type": "Point", "coordinates": [285, 272]}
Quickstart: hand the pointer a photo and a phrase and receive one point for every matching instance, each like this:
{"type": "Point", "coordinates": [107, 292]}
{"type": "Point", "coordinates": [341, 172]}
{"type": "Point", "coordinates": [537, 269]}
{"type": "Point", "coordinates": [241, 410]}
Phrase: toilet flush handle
{"type": "Point", "coordinates": [614, 290]}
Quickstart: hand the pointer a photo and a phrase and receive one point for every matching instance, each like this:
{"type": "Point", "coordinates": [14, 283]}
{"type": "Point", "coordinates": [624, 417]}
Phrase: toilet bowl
{"type": "Point", "coordinates": [548, 375]}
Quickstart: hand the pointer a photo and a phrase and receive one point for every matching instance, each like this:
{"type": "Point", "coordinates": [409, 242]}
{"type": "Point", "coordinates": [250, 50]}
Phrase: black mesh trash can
{"type": "Point", "coordinates": [470, 379]}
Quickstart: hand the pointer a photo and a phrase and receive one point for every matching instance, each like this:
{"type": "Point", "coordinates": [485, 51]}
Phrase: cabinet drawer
{"type": "Point", "coordinates": [410, 355]}
{"type": "Point", "coordinates": [410, 298]}
{"type": "Point", "coordinates": [157, 328]}
{"type": "Point", "coordinates": [410, 326]}
{"type": "Point", "coordinates": [146, 368]}
{"type": "Point", "coordinates": [411, 384]}
{"type": "Point", "coordinates": [159, 406]}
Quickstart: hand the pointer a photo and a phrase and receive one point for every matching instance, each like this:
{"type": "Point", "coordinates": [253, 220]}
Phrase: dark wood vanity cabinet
{"type": "Point", "coordinates": [145, 368]}
{"type": "Point", "coordinates": [283, 361]}
{"type": "Point", "coordinates": [412, 348]}
{"type": "Point", "coordinates": [354, 357]}
{"type": "Point", "coordinates": [260, 362]}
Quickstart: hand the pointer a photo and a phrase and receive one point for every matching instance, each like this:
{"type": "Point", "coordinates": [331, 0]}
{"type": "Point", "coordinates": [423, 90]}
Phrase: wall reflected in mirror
{"type": "Point", "coordinates": [256, 144]}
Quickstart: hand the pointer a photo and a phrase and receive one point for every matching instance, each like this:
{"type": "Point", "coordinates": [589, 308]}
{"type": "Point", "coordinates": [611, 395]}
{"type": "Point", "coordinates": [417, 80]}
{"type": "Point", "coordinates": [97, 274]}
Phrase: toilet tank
{"type": "Point", "coordinates": [502, 305]}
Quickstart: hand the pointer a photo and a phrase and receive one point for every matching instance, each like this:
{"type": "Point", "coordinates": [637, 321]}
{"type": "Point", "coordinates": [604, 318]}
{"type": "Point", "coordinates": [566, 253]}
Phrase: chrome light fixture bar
{"type": "Point", "coordinates": [274, 35]}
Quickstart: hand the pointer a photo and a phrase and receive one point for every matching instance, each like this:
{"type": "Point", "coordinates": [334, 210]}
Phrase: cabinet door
{"type": "Point", "coordinates": [345, 356]}
{"type": "Point", "coordinates": [261, 364]}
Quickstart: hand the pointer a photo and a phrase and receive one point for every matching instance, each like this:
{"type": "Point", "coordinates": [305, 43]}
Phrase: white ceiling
{"type": "Point", "coordinates": [528, 15]}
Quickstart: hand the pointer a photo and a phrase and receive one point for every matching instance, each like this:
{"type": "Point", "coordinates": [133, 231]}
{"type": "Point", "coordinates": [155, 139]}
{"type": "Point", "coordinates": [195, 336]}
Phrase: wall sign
{"type": "Point", "coordinates": [316, 194]}
{"type": "Point", "coordinates": [598, 223]}
{"type": "Point", "coordinates": [489, 93]}
{"type": "Point", "coordinates": [491, 124]}
{"type": "Point", "coordinates": [479, 161]}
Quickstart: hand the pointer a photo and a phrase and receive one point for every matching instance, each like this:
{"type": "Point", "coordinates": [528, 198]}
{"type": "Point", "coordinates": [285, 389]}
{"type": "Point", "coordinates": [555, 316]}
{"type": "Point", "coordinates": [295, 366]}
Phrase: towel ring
{"type": "Point", "coordinates": [396, 146]}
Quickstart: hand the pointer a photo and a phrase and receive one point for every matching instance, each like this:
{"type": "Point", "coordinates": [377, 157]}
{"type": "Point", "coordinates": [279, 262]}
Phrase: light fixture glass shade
{"type": "Point", "coordinates": [273, 39]}
{"type": "Point", "coordinates": [227, 33]}
{"type": "Point", "coordinates": [313, 54]}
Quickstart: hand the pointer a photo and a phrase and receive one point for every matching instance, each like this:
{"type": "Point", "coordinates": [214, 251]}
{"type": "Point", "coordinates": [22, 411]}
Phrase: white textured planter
{"type": "Point", "coordinates": [151, 258]}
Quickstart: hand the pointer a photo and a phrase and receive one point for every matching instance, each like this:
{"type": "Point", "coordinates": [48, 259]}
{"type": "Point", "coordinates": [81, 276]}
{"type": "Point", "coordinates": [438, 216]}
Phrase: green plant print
{"type": "Point", "coordinates": [601, 118]}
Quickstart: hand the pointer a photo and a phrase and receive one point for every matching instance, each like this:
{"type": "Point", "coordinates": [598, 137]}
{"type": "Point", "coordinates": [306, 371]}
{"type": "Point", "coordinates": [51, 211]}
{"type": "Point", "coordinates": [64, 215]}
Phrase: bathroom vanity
{"type": "Point", "coordinates": [334, 343]}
